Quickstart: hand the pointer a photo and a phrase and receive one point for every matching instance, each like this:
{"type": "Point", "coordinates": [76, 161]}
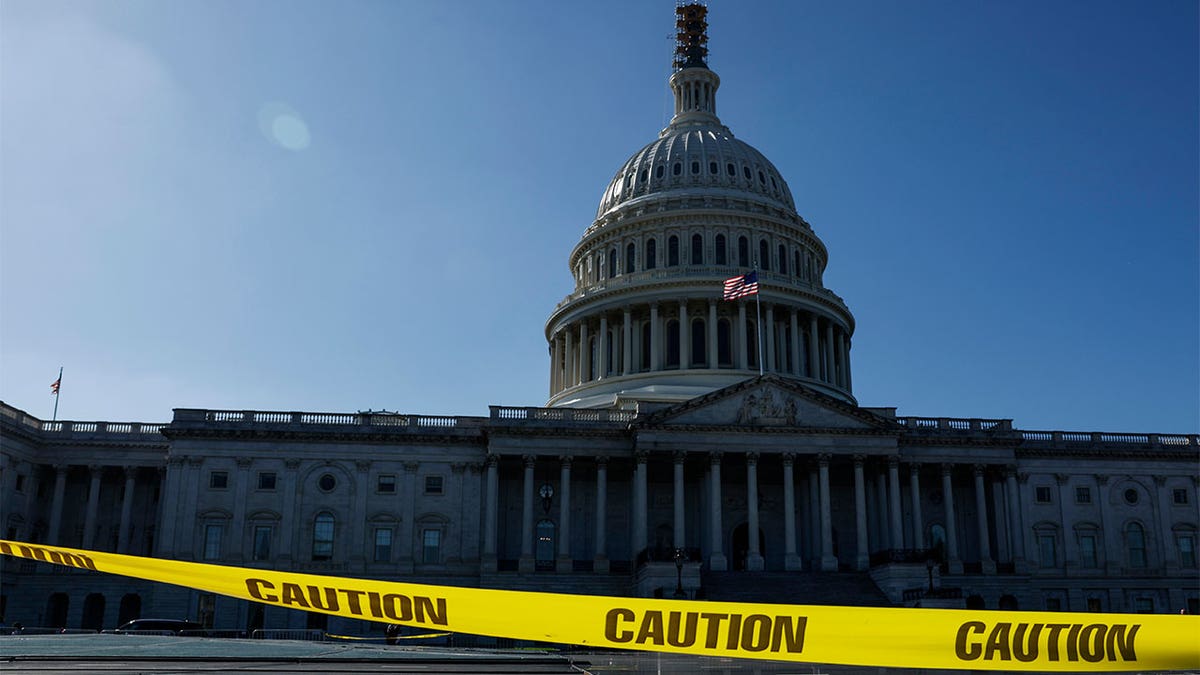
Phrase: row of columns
{"type": "Point", "coordinates": [91, 513]}
{"type": "Point", "coordinates": [891, 533]}
{"type": "Point", "coordinates": [827, 358]}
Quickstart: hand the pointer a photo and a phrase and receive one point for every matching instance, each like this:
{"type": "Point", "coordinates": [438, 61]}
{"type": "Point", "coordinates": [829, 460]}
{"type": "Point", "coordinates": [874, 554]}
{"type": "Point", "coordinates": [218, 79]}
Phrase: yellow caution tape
{"type": "Point", "coordinates": [887, 637]}
{"type": "Point", "coordinates": [422, 636]}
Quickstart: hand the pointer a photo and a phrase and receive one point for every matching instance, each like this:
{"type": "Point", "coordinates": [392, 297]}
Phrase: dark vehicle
{"type": "Point", "coordinates": [162, 627]}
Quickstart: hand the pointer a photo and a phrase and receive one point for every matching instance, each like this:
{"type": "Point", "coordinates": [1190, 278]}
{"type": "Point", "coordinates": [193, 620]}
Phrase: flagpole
{"type": "Point", "coordinates": [758, 323]}
{"type": "Point", "coordinates": [56, 390]}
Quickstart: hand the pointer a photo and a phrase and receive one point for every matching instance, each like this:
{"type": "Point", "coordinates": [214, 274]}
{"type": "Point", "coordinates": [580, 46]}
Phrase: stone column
{"type": "Point", "coordinates": [951, 531]}
{"type": "Point", "coordinates": [626, 340]}
{"type": "Point", "coordinates": [743, 353]}
{"type": "Point", "coordinates": [887, 539]}
{"type": "Point", "coordinates": [679, 504]}
{"type": "Point", "coordinates": [187, 512]}
{"type": "Point", "coordinates": [655, 338]}
{"type": "Point", "coordinates": [914, 487]}
{"type": "Point", "coordinates": [93, 505]}
{"type": "Point", "coordinates": [754, 559]}
{"type": "Point", "coordinates": [585, 354]}
{"type": "Point", "coordinates": [716, 558]}
{"type": "Point", "coordinates": [713, 346]}
{"type": "Point", "coordinates": [237, 526]}
{"type": "Point", "coordinates": [600, 563]}
{"type": "Point", "coordinates": [1015, 529]}
{"type": "Point", "coordinates": [564, 562]}
{"type": "Point", "coordinates": [791, 559]}
{"type": "Point", "coordinates": [830, 372]}
{"type": "Point", "coordinates": [814, 357]}
{"type": "Point", "coordinates": [53, 537]}
{"type": "Point", "coordinates": [358, 529]}
{"type": "Point", "coordinates": [897, 513]}
{"type": "Point", "coordinates": [685, 337]}
{"type": "Point", "coordinates": [286, 527]}
{"type": "Point", "coordinates": [569, 366]}
{"type": "Point", "coordinates": [526, 562]}
{"type": "Point", "coordinates": [768, 332]}
{"type": "Point", "coordinates": [408, 502]}
{"type": "Point", "coordinates": [794, 324]}
{"type": "Point", "coordinates": [602, 352]}
{"type": "Point", "coordinates": [846, 362]}
{"type": "Point", "coordinates": [862, 559]}
{"type": "Point", "coordinates": [829, 562]}
{"type": "Point", "coordinates": [555, 365]}
{"type": "Point", "coordinates": [491, 508]}
{"type": "Point", "coordinates": [985, 549]}
{"type": "Point", "coordinates": [639, 504]}
{"type": "Point", "coordinates": [127, 509]}
{"type": "Point", "coordinates": [814, 517]}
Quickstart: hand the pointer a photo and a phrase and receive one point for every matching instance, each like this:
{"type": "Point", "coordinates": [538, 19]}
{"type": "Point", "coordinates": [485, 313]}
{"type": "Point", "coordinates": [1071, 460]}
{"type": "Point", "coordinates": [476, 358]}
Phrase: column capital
{"type": "Point", "coordinates": [475, 467]}
{"type": "Point", "coordinates": [1010, 470]}
{"type": "Point", "coordinates": [640, 456]}
{"type": "Point", "coordinates": [1160, 480]}
{"type": "Point", "coordinates": [1101, 479]}
{"type": "Point", "coordinates": [244, 462]}
{"type": "Point", "coordinates": [751, 458]}
{"type": "Point", "coordinates": [130, 471]}
{"type": "Point", "coordinates": [411, 467]}
{"type": "Point", "coordinates": [491, 460]}
{"type": "Point", "coordinates": [457, 467]}
{"type": "Point", "coordinates": [1023, 476]}
{"type": "Point", "coordinates": [602, 461]}
{"type": "Point", "coordinates": [914, 467]}
{"type": "Point", "coordinates": [362, 465]}
{"type": "Point", "coordinates": [788, 458]}
{"type": "Point", "coordinates": [823, 458]}
{"type": "Point", "coordinates": [195, 460]}
{"type": "Point", "coordinates": [859, 460]}
{"type": "Point", "coordinates": [714, 457]}
{"type": "Point", "coordinates": [529, 460]}
{"type": "Point", "coordinates": [566, 460]}
{"type": "Point", "coordinates": [678, 456]}
{"type": "Point", "coordinates": [291, 463]}
{"type": "Point", "coordinates": [893, 461]}
{"type": "Point", "coordinates": [978, 469]}
{"type": "Point", "coordinates": [947, 468]}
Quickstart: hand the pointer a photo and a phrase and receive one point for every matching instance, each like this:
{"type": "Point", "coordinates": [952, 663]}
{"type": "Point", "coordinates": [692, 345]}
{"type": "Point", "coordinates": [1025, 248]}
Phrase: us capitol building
{"type": "Point", "coordinates": [690, 447]}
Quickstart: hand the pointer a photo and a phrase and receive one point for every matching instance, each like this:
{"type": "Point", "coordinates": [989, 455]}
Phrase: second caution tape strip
{"type": "Point", "coordinates": [889, 637]}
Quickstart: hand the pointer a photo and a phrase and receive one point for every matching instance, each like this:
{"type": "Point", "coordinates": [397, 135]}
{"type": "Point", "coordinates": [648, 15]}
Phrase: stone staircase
{"type": "Point", "coordinates": [578, 583]}
{"type": "Point", "coordinates": [854, 589]}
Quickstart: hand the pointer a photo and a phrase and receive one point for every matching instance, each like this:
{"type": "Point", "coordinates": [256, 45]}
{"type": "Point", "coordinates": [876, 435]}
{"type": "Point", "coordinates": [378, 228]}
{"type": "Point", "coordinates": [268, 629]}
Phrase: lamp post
{"type": "Point", "coordinates": [679, 592]}
{"type": "Point", "coordinates": [546, 492]}
{"type": "Point", "coordinates": [929, 567]}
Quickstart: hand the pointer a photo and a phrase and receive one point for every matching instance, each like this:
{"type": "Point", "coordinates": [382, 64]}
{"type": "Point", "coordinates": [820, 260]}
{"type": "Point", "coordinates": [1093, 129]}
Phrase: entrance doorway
{"type": "Point", "coordinates": [56, 610]}
{"type": "Point", "coordinates": [93, 612]}
{"type": "Point", "coordinates": [741, 545]}
{"type": "Point", "coordinates": [544, 545]}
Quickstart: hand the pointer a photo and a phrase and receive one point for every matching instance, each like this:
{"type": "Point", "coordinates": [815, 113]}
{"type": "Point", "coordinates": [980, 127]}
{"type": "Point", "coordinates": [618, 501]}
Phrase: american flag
{"type": "Point", "coordinates": [740, 287]}
{"type": "Point", "coordinates": [55, 384]}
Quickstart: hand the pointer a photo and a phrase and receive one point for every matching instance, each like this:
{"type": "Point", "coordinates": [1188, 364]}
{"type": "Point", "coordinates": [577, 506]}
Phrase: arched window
{"type": "Point", "coordinates": [612, 263]}
{"type": "Point", "coordinates": [724, 346]}
{"type": "Point", "coordinates": [93, 612]}
{"type": "Point", "coordinates": [658, 171]}
{"type": "Point", "coordinates": [796, 263]}
{"type": "Point", "coordinates": [697, 250]}
{"type": "Point", "coordinates": [672, 344]}
{"type": "Point", "coordinates": [721, 258]}
{"type": "Point", "coordinates": [677, 169]}
{"type": "Point", "coordinates": [743, 252]}
{"type": "Point", "coordinates": [1135, 543]}
{"type": "Point", "coordinates": [695, 168]}
{"type": "Point", "coordinates": [593, 361]}
{"type": "Point", "coordinates": [699, 343]}
{"type": "Point", "coordinates": [630, 252]}
{"type": "Point", "coordinates": [322, 542]}
{"type": "Point", "coordinates": [651, 254]}
{"type": "Point", "coordinates": [782, 259]}
{"type": "Point", "coordinates": [672, 251]}
{"type": "Point", "coordinates": [764, 254]}
{"type": "Point", "coordinates": [730, 169]}
{"type": "Point", "coordinates": [712, 167]}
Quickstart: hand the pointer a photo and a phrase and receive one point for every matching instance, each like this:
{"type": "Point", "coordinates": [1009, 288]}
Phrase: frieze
{"type": "Point", "coordinates": [762, 408]}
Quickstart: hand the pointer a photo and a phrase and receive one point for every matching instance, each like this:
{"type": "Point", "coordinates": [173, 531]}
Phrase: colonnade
{"type": "Point", "coordinates": [91, 512]}
{"type": "Point", "coordinates": [700, 334]}
{"type": "Point", "coordinates": [878, 526]}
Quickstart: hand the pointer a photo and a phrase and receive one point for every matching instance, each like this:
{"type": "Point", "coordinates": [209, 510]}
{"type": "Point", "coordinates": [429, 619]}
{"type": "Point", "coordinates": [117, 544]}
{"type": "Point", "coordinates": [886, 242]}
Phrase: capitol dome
{"type": "Point", "coordinates": [691, 209]}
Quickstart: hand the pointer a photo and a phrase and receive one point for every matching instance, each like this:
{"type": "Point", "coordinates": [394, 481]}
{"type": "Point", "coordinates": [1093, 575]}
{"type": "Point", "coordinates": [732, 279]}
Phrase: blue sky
{"type": "Point", "coordinates": [289, 205]}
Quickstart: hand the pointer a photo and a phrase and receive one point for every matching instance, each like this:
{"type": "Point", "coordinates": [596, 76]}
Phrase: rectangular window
{"type": "Point", "coordinates": [1053, 605]}
{"type": "Point", "coordinates": [1143, 606]}
{"type": "Point", "coordinates": [433, 485]}
{"type": "Point", "coordinates": [1180, 496]}
{"type": "Point", "coordinates": [1042, 495]}
{"type": "Point", "coordinates": [262, 542]}
{"type": "Point", "coordinates": [1187, 549]}
{"type": "Point", "coordinates": [431, 546]}
{"type": "Point", "coordinates": [1047, 556]}
{"type": "Point", "coordinates": [212, 542]}
{"type": "Point", "coordinates": [20, 482]}
{"type": "Point", "coordinates": [218, 480]}
{"type": "Point", "coordinates": [1083, 495]}
{"type": "Point", "coordinates": [266, 480]}
{"type": "Point", "coordinates": [383, 544]}
{"type": "Point", "coordinates": [1094, 605]}
{"type": "Point", "coordinates": [386, 484]}
{"type": "Point", "coordinates": [1087, 551]}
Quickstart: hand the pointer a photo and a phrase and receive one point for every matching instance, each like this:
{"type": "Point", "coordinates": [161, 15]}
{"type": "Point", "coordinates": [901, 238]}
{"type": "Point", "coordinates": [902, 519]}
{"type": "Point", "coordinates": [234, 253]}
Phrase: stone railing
{"type": "Point", "coordinates": [703, 272]}
{"type": "Point", "coordinates": [954, 424]}
{"type": "Point", "coordinates": [66, 427]}
{"type": "Point", "coordinates": [371, 419]}
{"type": "Point", "coordinates": [1071, 438]}
{"type": "Point", "coordinates": [572, 415]}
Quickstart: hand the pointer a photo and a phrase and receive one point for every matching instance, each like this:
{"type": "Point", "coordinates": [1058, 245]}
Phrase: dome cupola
{"type": "Point", "coordinates": [692, 208]}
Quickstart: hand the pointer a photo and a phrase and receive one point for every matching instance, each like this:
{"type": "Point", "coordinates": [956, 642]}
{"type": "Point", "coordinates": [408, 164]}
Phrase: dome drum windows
{"type": "Point", "coordinates": [699, 344]}
{"type": "Point", "coordinates": [743, 252]}
{"type": "Point", "coordinates": [695, 167]}
{"type": "Point", "coordinates": [651, 254]}
{"type": "Point", "coordinates": [720, 250]}
{"type": "Point", "coordinates": [677, 169]}
{"type": "Point", "coordinates": [630, 258]}
{"type": "Point", "coordinates": [673, 251]}
{"type": "Point", "coordinates": [764, 254]}
{"type": "Point", "coordinates": [612, 262]}
{"type": "Point", "coordinates": [697, 250]}
{"type": "Point", "coordinates": [658, 171]}
{"type": "Point", "coordinates": [712, 168]}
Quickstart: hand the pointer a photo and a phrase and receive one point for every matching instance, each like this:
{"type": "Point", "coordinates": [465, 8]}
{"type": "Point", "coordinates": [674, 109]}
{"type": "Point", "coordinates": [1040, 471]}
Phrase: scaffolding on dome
{"type": "Point", "coordinates": [691, 38]}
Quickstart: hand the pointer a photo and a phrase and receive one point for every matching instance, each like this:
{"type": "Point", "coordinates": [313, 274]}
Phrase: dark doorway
{"type": "Point", "coordinates": [317, 621]}
{"type": "Point", "coordinates": [93, 612]}
{"type": "Point", "coordinates": [131, 608]}
{"type": "Point", "coordinates": [1008, 602]}
{"type": "Point", "coordinates": [56, 610]}
{"type": "Point", "coordinates": [741, 545]}
{"type": "Point", "coordinates": [255, 618]}
{"type": "Point", "coordinates": [544, 545]}
{"type": "Point", "coordinates": [975, 602]}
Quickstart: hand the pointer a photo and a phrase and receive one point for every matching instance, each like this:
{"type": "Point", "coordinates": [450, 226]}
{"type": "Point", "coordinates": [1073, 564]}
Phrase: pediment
{"type": "Point", "coordinates": [765, 402]}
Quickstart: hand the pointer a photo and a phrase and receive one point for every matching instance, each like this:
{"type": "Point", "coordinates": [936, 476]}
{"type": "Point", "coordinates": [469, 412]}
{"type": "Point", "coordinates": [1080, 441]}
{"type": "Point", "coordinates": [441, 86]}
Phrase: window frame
{"type": "Point", "coordinates": [434, 485]}
{"type": "Point", "coordinates": [385, 480]}
{"type": "Point", "coordinates": [261, 478]}
{"type": "Point", "coordinates": [218, 476]}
